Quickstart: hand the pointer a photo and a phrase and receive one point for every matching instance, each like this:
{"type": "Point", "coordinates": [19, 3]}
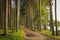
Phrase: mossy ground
{"type": "Point", "coordinates": [48, 33]}
{"type": "Point", "coordinates": [12, 36]}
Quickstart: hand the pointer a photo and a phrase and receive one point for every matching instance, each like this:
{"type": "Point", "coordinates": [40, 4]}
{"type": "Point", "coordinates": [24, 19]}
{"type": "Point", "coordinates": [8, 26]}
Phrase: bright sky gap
{"type": "Point", "coordinates": [58, 10]}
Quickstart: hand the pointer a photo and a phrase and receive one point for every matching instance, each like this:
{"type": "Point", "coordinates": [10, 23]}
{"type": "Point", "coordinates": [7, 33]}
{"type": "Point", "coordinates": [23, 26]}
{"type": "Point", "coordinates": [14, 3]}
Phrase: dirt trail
{"type": "Point", "coordinates": [30, 35]}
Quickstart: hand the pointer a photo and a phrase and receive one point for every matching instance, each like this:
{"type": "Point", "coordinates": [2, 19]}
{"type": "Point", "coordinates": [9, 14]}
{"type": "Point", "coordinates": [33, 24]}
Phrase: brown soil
{"type": "Point", "coordinates": [31, 35]}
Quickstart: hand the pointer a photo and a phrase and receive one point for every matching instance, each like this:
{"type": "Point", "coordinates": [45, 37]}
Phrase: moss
{"type": "Point", "coordinates": [48, 33]}
{"type": "Point", "coordinates": [13, 36]}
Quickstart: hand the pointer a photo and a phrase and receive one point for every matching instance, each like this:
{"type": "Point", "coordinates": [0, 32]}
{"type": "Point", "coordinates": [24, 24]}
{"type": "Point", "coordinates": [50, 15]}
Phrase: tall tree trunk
{"type": "Point", "coordinates": [39, 14]}
{"type": "Point", "coordinates": [51, 18]}
{"type": "Point", "coordinates": [2, 9]}
{"type": "Point", "coordinates": [5, 16]}
{"type": "Point", "coordinates": [27, 14]}
{"type": "Point", "coordinates": [56, 18]}
{"type": "Point", "coordinates": [9, 12]}
{"type": "Point", "coordinates": [17, 13]}
{"type": "Point", "coordinates": [31, 14]}
{"type": "Point", "coordinates": [40, 20]}
{"type": "Point", "coordinates": [11, 15]}
{"type": "Point", "coordinates": [1, 12]}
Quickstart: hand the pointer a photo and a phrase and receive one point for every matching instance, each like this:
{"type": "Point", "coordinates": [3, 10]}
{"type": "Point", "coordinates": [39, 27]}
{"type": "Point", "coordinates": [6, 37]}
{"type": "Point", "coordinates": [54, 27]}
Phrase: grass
{"type": "Point", "coordinates": [48, 33]}
{"type": "Point", "coordinates": [13, 36]}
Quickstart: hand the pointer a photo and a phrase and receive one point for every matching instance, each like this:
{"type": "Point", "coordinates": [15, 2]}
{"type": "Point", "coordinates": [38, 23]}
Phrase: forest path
{"type": "Point", "coordinates": [31, 35]}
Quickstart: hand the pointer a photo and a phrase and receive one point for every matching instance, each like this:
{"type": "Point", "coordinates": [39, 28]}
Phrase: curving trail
{"type": "Point", "coordinates": [30, 35]}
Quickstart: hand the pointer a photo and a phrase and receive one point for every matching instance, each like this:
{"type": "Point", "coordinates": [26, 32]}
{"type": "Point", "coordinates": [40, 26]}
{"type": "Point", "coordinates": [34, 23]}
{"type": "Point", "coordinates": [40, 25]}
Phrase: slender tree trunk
{"type": "Point", "coordinates": [56, 18]}
{"type": "Point", "coordinates": [17, 13]}
{"type": "Point", "coordinates": [10, 9]}
{"type": "Point", "coordinates": [0, 14]}
{"type": "Point", "coordinates": [39, 14]}
{"type": "Point", "coordinates": [51, 18]}
{"type": "Point", "coordinates": [12, 17]}
{"type": "Point", "coordinates": [33, 15]}
{"type": "Point", "coordinates": [1, 10]}
{"type": "Point", "coordinates": [5, 16]}
{"type": "Point", "coordinates": [9, 12]}
{"type": "Point", "coordinates": [27, 15]}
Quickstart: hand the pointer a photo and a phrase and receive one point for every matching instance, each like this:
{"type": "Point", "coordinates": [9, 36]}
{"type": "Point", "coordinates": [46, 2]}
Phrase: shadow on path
{"type": "Point", "coordinates": [30, 35]}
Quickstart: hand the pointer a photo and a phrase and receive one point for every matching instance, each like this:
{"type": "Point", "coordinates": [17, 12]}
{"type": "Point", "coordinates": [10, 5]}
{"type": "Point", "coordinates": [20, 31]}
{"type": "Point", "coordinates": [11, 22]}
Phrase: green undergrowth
{"type": "Point", "coordinates": [13, 36]}
{"type": "Point", "coordinates": [48, 33]}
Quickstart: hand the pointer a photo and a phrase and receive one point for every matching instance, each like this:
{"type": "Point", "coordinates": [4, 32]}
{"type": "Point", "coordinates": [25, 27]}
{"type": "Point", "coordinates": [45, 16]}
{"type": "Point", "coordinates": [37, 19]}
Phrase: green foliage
{"type": "Point", "coordinates": [44, 11]}
{"type": "Point", "coordinates": [13, 36]}
{"type": "Point", "coordinates": [48, 33]}
{"type": "Point", "coordinates": [23, 11]}
{"type": "Point", "coordinates": [58, 23]}
{"type": "Point", "coordinates": [44, 16]}
{"type": "Point", "coordinates": [45, 2]}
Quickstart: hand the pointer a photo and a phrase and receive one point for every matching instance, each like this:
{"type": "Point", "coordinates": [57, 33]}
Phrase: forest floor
{"type": "Point", "coordinates": [12, 36]}
{"type": "Point", "coordinates": [31, 35]}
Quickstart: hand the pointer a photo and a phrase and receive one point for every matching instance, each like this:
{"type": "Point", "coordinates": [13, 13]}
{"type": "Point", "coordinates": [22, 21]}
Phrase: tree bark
{"type": "Point", "coordinates": [56, 18]}
{"type": "Point", "coordinates": [39, 14]}
{"type": "Point", "coordinates": [5, 16]}
{"type": "Point", "coordinates": [17, 13]}
{"type": "Point", "coordinates": [51, 18]}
